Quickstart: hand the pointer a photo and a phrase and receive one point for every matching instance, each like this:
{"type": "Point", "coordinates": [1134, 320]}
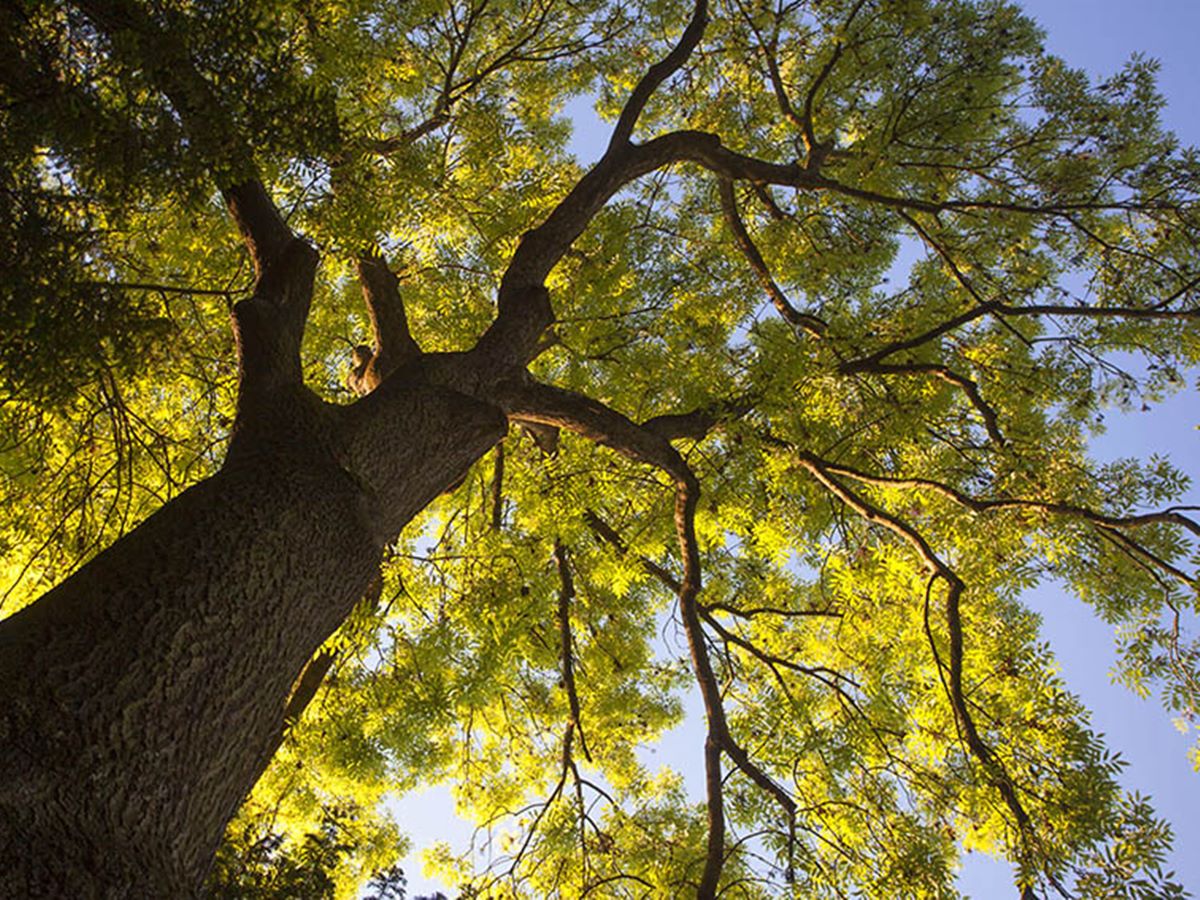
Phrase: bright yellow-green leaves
{"type": "Point", "coordinates": [433, 131]}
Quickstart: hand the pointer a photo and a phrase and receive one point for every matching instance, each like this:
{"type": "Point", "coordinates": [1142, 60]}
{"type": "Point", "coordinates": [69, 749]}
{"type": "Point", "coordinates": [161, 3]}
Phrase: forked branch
{"type": "Point", "coordinates": [955, 587]}
{"type": "Point", "coordinates": [657, 74]}
{"type": "Point", "coordinates": [524, 310]}
{"type": "Point", "coordinates": [950, 376]}
{"type": "Point", "coordinates": [1172, 516]}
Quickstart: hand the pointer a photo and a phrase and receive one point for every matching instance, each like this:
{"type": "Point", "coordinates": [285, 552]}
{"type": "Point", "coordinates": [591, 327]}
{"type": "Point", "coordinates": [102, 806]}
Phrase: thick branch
{"type": "Point", "coordinates": [394, 345]}
{"type": "Point", "coordinates": [307, 685]}
{"type": "Point", "coordinates": [548, 405]}
{"type": "Point", "coordinates": [696, 425]}
{"type": "Point", "coordinates": [526, 400]}
{"type": "Point", "coordinates": [269, 326]}
{"type": "Point", "coordinates": [524, 310]}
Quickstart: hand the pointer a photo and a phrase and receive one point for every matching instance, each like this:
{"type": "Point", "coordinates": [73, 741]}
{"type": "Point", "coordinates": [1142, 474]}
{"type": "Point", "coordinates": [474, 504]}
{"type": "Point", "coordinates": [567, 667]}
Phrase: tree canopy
{"type": "Point", "coordinates": [829, 327]}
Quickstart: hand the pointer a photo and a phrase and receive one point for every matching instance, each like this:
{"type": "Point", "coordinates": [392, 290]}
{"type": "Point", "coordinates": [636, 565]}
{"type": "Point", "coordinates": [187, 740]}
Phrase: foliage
{"type": "Point", "coordinates": [900, 355]}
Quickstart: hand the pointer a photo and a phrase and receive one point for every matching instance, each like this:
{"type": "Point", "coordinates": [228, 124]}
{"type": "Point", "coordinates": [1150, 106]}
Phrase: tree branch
{"type": "Point", "coordinates": [566, 594]}
{"type": "Point", "coordinates": [657, 74]}
{"type": "Point", "coordinates": [394, 345]}
{"type": "Point", "coordinates": [498, 488]}
{"type": "Point", "coordinates": [1169, 516]}
{"type": "Point", "coordinates": [798, 320]}
{"type": "Point", "coordinates": [609, 535]}
{"type": "Point", "coordinates": [817, 151]}
{"type": "Point", "coordinates": [554, 406]}
{"type": "Point", "coordinates": [523, 304]}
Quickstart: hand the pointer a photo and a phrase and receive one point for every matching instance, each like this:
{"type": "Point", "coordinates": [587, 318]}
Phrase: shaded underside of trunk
{"type": "Point", "coordinates": [141, 699]}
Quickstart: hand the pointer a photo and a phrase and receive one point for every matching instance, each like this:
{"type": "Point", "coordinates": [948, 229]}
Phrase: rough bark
{"type": "Point", "coordinates": [140, 699]}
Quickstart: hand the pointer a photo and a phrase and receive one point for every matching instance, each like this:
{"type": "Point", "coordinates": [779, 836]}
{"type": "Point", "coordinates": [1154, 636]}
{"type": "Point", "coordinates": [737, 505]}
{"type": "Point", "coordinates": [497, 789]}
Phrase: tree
{"type": "Point", "coordinates": [677, 388]}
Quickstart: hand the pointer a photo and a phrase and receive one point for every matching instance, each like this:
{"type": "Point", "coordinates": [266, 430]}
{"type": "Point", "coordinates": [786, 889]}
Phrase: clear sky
{"type": "Point", "coordinates": [1097, 35]}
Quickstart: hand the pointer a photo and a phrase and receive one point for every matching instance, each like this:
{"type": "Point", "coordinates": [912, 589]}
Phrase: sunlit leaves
{"type": "Point", "coordinates": [1000, 255]}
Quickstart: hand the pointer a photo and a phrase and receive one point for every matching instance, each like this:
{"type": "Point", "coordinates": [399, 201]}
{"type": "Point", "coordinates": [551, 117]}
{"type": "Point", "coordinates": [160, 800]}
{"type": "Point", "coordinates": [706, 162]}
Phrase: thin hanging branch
{"type": "Point", "coordinates": [798, 320]}
{"type": "Point", "coordinates": [527, 400]}
{"type": "Point", "coordinates": [566, 595]}
{"type": "Point", "coordinates": [498, 488]}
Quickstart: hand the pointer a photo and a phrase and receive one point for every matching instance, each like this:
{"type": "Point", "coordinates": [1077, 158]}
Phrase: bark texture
{"type": "Point", "coordinates": [140, 699]}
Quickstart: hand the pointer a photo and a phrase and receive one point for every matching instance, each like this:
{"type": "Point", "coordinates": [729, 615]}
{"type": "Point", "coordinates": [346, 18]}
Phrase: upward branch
{"type": "Point", "coordinates": [394, 345]}
{"type": "Point", "coordinates": [524, 309]}
{"type": "Point", "coordinates": [163, 55]}
{"type": "Point", "coordinates": [269, 326]}
{"type": "Point", "coordinates": [657, 74]}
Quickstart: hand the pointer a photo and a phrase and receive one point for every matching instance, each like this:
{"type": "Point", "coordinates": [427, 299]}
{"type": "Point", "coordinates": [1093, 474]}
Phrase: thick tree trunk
{"type": "Point", "coordinates": [140, 699]}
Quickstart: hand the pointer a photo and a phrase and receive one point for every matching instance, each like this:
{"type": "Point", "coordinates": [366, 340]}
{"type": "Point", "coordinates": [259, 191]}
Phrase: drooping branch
{"type": "Point", "coordinates": [610, 536]}
{"type": "Point", "coordinates": [527, 400]}
{"type": "Point", "coordinates": [566, 595]}
{"type": "Point", "coordinates": [687, 495]}
{"type": "Point", "coordinates": [498, 488]}
{"type": "Point", "coordinates": [798, 320]}
{"type": "Point", "coordinates": [1146, 558]}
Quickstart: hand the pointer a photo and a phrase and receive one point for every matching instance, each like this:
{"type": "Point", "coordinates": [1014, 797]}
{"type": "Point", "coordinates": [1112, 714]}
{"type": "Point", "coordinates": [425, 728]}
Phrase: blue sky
{"type": "Point", "coordinates": [1097, 35]}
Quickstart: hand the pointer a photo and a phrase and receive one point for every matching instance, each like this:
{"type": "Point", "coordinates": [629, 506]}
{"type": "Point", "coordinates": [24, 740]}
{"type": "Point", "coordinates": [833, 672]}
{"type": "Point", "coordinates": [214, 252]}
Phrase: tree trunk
{"type": "Point", "coordinates": [141, 699]}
